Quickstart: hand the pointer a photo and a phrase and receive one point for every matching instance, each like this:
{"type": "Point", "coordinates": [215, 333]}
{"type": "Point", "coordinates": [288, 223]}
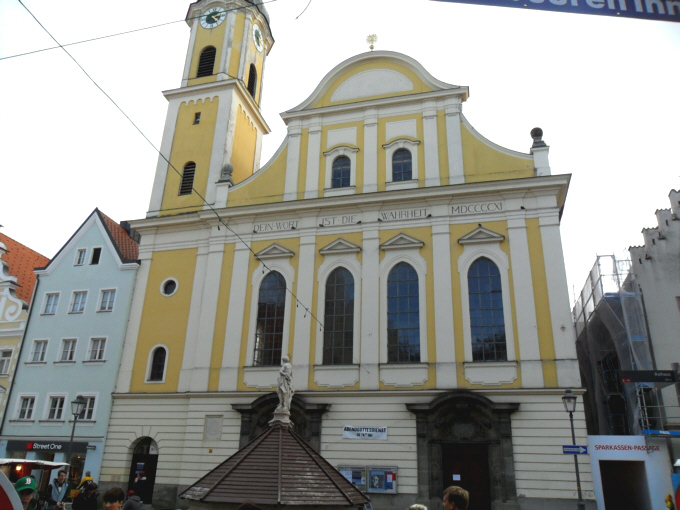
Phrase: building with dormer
{"type": "Point", "coordinates": [72, 347]}
{"type": "Point", "coordinates": [410, 268]}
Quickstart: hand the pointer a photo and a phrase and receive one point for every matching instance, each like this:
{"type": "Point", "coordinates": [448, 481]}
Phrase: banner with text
{"type": "Point", "coordinates": [351, 432]}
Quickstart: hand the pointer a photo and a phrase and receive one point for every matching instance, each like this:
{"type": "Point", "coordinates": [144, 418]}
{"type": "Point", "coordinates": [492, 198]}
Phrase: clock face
{"type": "Point", "coordinates": [257, 37]}
{"type": "Point", "coordinates": [213, 17]}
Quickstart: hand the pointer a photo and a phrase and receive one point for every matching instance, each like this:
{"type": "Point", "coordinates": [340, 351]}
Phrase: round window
{"type": "Point", "coordinates": [169, 287]}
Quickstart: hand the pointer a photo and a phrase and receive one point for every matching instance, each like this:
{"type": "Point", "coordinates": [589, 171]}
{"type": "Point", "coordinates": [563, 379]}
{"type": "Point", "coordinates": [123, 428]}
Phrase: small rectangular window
{"type": "Point", "coordinates": [68, 349]}
{"type": "Point", "coordinates": [97, 346]}
{"type": "Point", "coordinates": [26, 408]}
{"type": "Point", "coordinates": [39, 350]}
{"type": "Point", "coordinates": [197, 118]}
{"type": "Point", "coordinates": [56, 408]}
{"type": "Point", "coordinates": [88, 410]}
{"type": "Point", "coordinates": [96, 253]}
{"type": "Point", "coordinates": [80, 257]}
{"type": "Point", "coordinates": [5, 359]}
{"type": "Point", "coordinates": [51, 304]}
{"type": "Point", "coordinates": [79, 299]}
{"type": "Point", "coordinates": [108, 296]}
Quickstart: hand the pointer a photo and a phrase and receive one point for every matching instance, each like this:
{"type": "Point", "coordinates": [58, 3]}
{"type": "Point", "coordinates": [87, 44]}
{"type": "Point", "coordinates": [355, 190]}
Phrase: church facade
{"type": "Point", "coordinates": [411, 269]}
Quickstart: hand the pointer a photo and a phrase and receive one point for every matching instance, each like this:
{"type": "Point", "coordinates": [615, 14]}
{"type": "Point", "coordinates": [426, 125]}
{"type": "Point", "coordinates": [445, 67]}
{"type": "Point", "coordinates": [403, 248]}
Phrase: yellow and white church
{"type": "Point", "coordinates": [410, 268]}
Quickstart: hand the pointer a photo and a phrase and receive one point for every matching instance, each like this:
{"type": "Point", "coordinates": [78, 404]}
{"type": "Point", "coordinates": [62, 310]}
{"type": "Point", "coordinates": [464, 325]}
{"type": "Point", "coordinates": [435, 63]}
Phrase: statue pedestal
{"type": "Point", "coordinates": [281, 418]}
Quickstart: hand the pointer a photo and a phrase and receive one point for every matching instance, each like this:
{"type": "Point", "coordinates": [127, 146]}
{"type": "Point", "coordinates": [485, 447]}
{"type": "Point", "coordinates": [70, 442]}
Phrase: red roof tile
{"type": "Point", "coordinates": [128, 248]}
{"type": "Point", "coordinates": [21, 261]}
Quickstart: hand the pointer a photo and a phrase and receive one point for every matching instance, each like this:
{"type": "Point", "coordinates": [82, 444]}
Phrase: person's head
{"type": "Point", "coordinates": [61, 476]}
{"type": "Point", "coordinates": [25, 487]}
{"type": "Point", "coordinates": [90, 487]}
{"type": "Point", "coordinates": [456, 498]}
{"type": "Point", "coordinates": [113, 498]}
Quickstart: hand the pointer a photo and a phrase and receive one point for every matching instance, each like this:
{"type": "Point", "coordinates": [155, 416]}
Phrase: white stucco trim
{"type": "Point", "coordinates": [313, 158]}
{"type": "Point", "coordinates": [17, 406]}
{"type": "Point", "coordinates": [149, 361]}
{"type": "Point", "coordinates": [331, 155]}
{"type": "Point", "coordinates": [492, 251]}
{"type": "Point", "coordinates": [390, 149]}
{"type": "Point", "coordinates": [47, 405]}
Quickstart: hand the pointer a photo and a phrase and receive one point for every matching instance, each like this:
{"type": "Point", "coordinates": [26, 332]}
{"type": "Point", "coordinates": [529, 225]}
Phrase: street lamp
{"type": "Point", "coordinates": [77, 408]}
{"type": "Point", "coordinates": [569, 400]}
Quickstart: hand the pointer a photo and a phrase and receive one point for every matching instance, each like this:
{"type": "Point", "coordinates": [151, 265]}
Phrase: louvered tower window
{"type": "Point", "coordinates": [206, 62]}
{"type": "Point", "coordinates": [252, 80]}
{"type": "Point", "coordinates": [187, 179]}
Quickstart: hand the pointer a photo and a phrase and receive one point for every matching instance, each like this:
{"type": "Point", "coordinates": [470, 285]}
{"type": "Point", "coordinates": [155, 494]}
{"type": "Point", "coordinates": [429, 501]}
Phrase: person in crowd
{"type": "Point", "coordinates": [113, 499]}
{"type": "Point", "coordinates": [57, 493]}
{"type": "Point", "coordinates": [133, 502]}
{"type": "Point", "coordinates": [25, 488]}
{"type": "Point", "coordinates": [87, 499]}
{"type": "Point", "coordinates": [456, 498]}
{"type": "Point", "coordinates": [139, 485]}
{"type": "Point", "coordinates": [86, 478]}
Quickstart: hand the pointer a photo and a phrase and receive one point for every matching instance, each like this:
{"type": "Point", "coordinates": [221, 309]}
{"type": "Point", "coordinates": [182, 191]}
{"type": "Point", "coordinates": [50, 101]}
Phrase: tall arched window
{"type": "Point", "coordinates": [487, 322]}
{"type": "Point", "coordinates": [252, 80]}
{"type": "Point", "coordinates": [403, 315]}
{"type": "Point", "coordinates": [187, 183]}
{"type": "Point", "coordinates": [340, 177]}
{"type": "Point", "coordinates": [338, 335]}
{"type": "Point", "coordinates": [271, 306]}
{"type": "Point", "coordinates": [206, 62]}
{"type": "Point", "coordinates": [401, 165]}
{"type": "Point", "coordinates": [157, 368]}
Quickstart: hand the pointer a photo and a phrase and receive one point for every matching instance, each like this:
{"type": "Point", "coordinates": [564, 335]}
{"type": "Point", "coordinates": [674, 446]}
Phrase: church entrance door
{"type": "Point", "coordinates": [467, 465]}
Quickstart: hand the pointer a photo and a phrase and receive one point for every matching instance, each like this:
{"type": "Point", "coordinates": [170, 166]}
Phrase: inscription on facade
{"type": "Point", "coordinates": [274, 226]}
{"type": "Point", "coordinates": [403, 214]}
{"type": "Point", "coordinates": [481, 207]}
{"type": "Point", "coordinates": [345, 219]}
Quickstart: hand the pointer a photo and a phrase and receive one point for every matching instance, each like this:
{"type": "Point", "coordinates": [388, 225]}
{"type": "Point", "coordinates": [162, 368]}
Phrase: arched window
{"type": "Point", "coordinates": [252, 80]}
{"type": "Point", "coordinates": [487, 323]}
{"type": "Point", "coordinates": [340, 177]}
{"type": "Point", "coordinates": [403, 315]}
{"type": "Point", "coordinates": [271, 307]}
{"type": "Point", "coordinates": [187, 184]}
{"type": "Point", "coordinates": [338, 335]}
{"type": "Point", "coordinates": [206, 62]}
{"type": "Point", "coordinates": [157, 368]}
{"type": "Point", "coordinates": [401, 165]}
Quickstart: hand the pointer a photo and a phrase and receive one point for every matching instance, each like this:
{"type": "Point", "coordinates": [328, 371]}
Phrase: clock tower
{"type": "Point", "coordinates": [213, 130]}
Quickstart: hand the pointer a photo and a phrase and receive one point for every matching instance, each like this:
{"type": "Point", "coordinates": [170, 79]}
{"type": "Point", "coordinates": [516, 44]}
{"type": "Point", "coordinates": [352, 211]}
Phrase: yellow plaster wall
{"type": "Point", "coordinates": [546, 343]}
{"type": "Point", "coordinates": [221, 318]}
{"type": "Point", "coordinates": [164, 319]}
{"type": "Point", "coordinates": [235, 57]}
{"type": "Point", "coordinates": [204, 38]}
{"type": "Point", "coordinates": [266, 186]}
{"type": "Point", "coordinates": [243, 151]}
{"type": "Point", "coordinates": [418, 85]}
{"type": "Point", "coordinates": [191, 142]}
{"type": "Point", "coordinates": [484, 163]}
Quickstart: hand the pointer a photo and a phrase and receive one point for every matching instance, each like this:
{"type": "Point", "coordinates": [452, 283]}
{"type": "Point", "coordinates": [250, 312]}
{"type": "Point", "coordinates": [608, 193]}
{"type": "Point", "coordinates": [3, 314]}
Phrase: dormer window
{"type": "Point", "coordinates": [206, 62]}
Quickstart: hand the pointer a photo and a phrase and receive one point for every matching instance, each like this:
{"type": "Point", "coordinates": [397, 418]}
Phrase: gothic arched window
{"type": "Point", "coordinates": [401, 165]}
{"type": "Point", "coordinates": [403, 315]}
{"type": "Point", "coordinates": [338, 335]}
{"type": "Point", "coordinates": [341, 172]}
{"type": "Point", "coordinates": [206, 62]}
{"type": "Point", "coordinates": [271, 306]}
{"type": "Point", "coordinates": [487, 322]}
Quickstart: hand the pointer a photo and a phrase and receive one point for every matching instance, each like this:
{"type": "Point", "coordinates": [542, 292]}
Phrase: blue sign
{"type": "Point", "coordinates": [660, 10]}
{"type": "Point", "coordinates": [574, 450]}
{"type": "Point", "coordinates": [670, 433]}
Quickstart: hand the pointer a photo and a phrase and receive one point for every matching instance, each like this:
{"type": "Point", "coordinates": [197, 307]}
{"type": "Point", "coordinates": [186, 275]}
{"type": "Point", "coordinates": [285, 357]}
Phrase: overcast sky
{"type": "Point", "coordinates": [605, 91]}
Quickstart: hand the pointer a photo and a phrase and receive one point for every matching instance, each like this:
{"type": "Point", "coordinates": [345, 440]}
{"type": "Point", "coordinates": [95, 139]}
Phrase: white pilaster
{"type": "Point", "coordinates": [223, 141]}
{"type": "Point", "coordinates": [430, 145]}
{"type": "Point", "coordinates": [454, 140]}
{"type": "Point", "coordinates": [304, 322]}
{"type": "Point", "coordinates": [245, 42]}
{"type": "Point", "coordinates": [190, 52]}
{"type": "Point", "coordinates": [223, 70]}
{"type": "Point", "coordinates": [162, 166]}
{"type": "Point", "coordinates": [292, 160]}
{"type": "Point", "coordinates": [370, 150]}
{"type": "Point", "coordinates": [443, 306]}
{"type": "Point", "coordinates": [313, 158]}
{"type": "Point", "coordinates": [529, 352]}
{"type": "Point", "coordinates": [558, 297]}
{"type": "Point", "coordinates": [370, 314]}
{"type": "Point", "coordinates": [235, 318]}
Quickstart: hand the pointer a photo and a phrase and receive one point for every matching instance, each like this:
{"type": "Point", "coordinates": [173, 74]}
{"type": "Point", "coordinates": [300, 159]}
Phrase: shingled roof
{"type": "Point", "coordinates": [276, 468]}
{"type": "Point", "coordinates": [127, 247]}
{"type": "Point", "coordinates": [21, 261]}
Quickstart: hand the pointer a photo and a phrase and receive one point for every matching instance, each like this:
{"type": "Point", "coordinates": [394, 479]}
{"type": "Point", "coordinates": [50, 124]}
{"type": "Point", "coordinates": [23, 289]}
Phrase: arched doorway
{"type": "Point", "coordinates": [465, 439]}
{"type": "Point", "coordinates": [143, 469]}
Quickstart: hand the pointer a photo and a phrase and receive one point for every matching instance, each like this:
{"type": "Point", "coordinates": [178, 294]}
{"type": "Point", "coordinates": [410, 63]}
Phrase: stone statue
{"type": "Point", "coordinates": [285, 390]}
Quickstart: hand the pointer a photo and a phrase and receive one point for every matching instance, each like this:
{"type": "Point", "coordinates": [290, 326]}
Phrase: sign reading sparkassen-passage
{"type": "Point", "coordinates": [39, 445]}
{"type": "Point", "coordinates": [660, 10]}
{"type": "Point", "coordinates": [648, 376]}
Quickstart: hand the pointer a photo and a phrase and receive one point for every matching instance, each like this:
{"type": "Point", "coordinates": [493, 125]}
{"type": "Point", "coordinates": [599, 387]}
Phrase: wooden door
{"type": "Point", "coordinates": [467, 465]}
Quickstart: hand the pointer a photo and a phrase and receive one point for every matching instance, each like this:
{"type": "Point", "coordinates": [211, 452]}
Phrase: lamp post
{"type": "Point", "coordinates": [569, 400]}
{"type": "Point", "coordinates": [77, 407]}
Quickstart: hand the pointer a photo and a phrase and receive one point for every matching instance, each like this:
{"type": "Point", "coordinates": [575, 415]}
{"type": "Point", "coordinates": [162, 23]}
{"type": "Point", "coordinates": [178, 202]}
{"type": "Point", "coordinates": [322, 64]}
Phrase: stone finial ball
{"type": "Point", "coordinates": [537, 133]}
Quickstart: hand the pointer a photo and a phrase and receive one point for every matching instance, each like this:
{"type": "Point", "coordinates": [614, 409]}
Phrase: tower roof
{"type": "Point", "coordinates": [276, 468]}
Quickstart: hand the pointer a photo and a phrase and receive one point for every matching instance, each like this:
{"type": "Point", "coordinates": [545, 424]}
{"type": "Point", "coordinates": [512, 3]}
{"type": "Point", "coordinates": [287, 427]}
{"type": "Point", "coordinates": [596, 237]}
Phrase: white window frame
{"type": "Point", "coordinates": [41, 341]}
{"type": "Point", "coordinates": [53, 308]}
{"type": "Point", "coordinates": [110, 303]}
{"type": "Point", "coordinates": [48, 407]}
{"type": "Point", "coordinates": [60, 355]}
{"type": "Point", "coordinates": [89, 358]}
{"type": "Point", "coordinates": [18, 407]}
{"type": "Point", "coordinates": [5, 361]}
{"type": "Point", "coordinates": [101, 251]}
{"type": "Point", "coordinates": [390, 149]}
{"type": "Point", "coordinates": [80, 260]}
{"type": "Point", "coordinates": [88, 396]}
{"type": "Point", "coordinates": [149, 361]}
{"type": "Point", "coordinates": [331, 155]}
{"type": "Point", "coordinates": [73, 301]}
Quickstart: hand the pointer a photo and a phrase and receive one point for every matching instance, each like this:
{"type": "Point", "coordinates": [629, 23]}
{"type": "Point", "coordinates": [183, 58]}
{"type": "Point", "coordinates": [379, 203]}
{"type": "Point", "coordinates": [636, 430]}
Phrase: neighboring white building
{"type": "Point", "coordinates": [72, 346]}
